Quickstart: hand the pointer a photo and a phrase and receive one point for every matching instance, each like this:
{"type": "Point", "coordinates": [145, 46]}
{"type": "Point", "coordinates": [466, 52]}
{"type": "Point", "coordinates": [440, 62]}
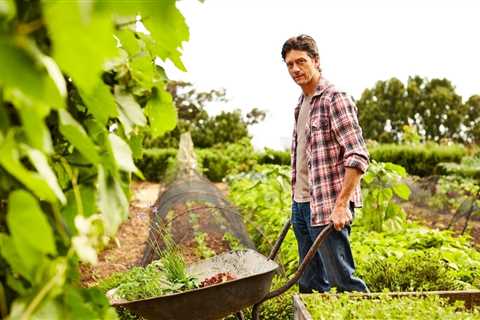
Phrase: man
{"type": "Point", "coordinates": [328, 159]}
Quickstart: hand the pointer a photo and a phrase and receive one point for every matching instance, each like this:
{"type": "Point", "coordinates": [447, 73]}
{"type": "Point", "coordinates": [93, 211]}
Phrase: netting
{"type": "Point", "coordinates": [195, 213]}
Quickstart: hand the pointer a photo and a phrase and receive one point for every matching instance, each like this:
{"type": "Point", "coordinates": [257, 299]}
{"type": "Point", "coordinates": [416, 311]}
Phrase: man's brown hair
{"type": "Point", "coordinates": [302, 42]}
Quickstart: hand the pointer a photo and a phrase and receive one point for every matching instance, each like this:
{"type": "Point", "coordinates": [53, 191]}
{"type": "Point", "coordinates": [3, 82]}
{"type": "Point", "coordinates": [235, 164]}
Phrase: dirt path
{"type": "Point", "coordinates": [127, 249]}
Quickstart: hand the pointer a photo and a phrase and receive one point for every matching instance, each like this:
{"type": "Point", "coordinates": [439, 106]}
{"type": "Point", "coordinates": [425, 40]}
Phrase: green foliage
{"type": "Point", "coordinates": [80, 88]}
{"type": "Point", "coordinates": [348, 306]}
{"type": "Point", "coordinates": [206, 131]}
{"type": "Point", "coordinates": [269, 156]}
{"type": "Point", "coordinates": [263, 196]}
{"type": "Point", "coordinates": [215, 163]}
{"type": "Point", "coordinates": [160, 277]}
{"type": "Point", "coordinates": [203, 251]}
{"type": "Point", "coordinates": [418, 160]}
{"type": "Point", "coordinates": [416, 271]}
{"type": "Point", "coordinates": [469, 168]}
{"type": "Point", "coordinates": [382, 182]}
{"type": "Point", "coordinates": [455, 256]}
{"type": "Point", "coordinates": [432, 106]}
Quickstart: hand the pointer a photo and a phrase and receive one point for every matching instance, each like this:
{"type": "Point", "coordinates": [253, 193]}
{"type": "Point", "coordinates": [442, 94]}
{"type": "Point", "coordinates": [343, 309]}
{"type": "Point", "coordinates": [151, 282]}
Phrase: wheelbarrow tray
{"type": "Point", "coordinates": [254, 274]}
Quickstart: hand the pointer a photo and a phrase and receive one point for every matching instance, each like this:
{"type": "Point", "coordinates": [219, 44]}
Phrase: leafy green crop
{"type": "Point", "coordinates": [345, 306]}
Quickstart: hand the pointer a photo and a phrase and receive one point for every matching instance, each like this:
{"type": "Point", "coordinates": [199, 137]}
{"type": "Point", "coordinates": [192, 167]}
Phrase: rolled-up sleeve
{"type": "Point", "coordinates": [347, 131]}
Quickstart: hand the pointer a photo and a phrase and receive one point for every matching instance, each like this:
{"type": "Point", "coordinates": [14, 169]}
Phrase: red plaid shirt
{"type": "Point", "coordinates": [334, 141]}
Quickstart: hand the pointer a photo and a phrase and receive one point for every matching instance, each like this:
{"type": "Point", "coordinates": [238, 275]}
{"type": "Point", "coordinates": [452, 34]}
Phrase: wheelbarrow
{"type": "Point", "coordinates": [251, 287]}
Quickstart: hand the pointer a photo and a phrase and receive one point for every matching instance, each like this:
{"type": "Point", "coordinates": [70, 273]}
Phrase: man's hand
{"type": "Point", "coordinates": [341, 216]}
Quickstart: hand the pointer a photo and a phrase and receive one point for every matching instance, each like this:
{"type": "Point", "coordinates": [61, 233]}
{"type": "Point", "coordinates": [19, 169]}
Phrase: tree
{"type": "Point", "coordinates": [432, 106]}
{"type": "Point", "coordinates": [79, 85]}
{"type": "Point", "coordinates": [206, 131]}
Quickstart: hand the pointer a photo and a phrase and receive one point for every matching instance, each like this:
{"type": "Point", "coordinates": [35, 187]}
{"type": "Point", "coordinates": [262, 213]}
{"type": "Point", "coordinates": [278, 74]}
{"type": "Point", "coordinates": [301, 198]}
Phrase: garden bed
{"type": "Point", "coordinates": [404, 305]}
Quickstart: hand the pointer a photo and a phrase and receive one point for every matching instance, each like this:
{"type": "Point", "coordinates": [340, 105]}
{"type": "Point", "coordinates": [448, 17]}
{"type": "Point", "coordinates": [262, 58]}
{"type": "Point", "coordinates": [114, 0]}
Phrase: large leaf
{"type": "Point", "coordinates": [40, 162]}
{"type": "Point", "coordinates": [10, 254]}
{"type": "Point", "coordinates": [28, 224]}
{"type": "Point", "coordinates": [7, 9]}
{"type": "Point", "coordinates": [163, 20]}
{"type": "Point", "coordinates": [112, 201]}
{"type": "Point", "coordinates": [130, 108]}
{"type": "Point", "coordinates": [100, 102]}
{"type": "Point", "coordinates": [22, 73]}
{"type": "Point", "coordinates": [82, 40]}
{"type": "Point", "coordinates": [402, 190]}
{"type": "Point", "coordinates": [396, 168]}
{"type": "Point", "coordinates": [161, 113]}
{"type": "Point", "coordinates": [122, 154]}
{"type": "Point", "coordinates": [36, 130]}
{"type": "Point", "coordinates": [77, 136]}
{"type": "Point", "coordinates": [10, 160]}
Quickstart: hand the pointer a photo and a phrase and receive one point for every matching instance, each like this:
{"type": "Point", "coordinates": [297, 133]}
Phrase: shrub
{"type": "Point", "coordinates": [418, 160]}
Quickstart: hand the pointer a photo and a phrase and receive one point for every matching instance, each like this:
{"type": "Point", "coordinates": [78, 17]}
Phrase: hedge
{"type": "Point", "coordinates": [420, 160]}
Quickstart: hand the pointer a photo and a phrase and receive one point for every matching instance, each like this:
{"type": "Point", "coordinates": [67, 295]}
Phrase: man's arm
{"type": "Point", "coordinates": [341, 214]}
{"type": "Point", "coordinates": [348, 133]}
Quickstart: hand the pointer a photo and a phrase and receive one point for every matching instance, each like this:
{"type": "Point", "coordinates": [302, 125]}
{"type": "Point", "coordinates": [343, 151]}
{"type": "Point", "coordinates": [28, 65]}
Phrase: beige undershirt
{"type": "Point", "coordinates": [302, 191]}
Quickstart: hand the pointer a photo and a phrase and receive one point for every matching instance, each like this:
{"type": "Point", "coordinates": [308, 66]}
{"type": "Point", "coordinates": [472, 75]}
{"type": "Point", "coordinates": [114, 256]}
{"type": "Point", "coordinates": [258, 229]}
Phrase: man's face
{"type": "Point", "coordinates": [301, 66]}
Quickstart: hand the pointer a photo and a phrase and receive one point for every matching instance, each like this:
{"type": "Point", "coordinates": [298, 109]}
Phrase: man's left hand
{"type": "Point", "coordinates": [341, 216]}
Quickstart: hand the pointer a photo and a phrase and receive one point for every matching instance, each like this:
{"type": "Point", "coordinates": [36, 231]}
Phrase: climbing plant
{"type": "Point", "coordinates": [80, 83]}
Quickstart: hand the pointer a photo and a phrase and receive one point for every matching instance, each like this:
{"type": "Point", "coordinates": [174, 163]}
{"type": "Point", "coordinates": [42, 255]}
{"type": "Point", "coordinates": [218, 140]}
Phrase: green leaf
{"type": "Point", "coordinates": [28, 224]}
{"type": "Point", "coordinates": [129, 107]}
{"type": "Point", "coordinates": [402, 190]}
{"type": "Point", "coordinates": [112, 202]}
{"type": "Point", "coordinates": [128, 41]}
{"type": "Point", "coordinates": [49, 309]}
{"type": "Point", "coordinates": [10, 160]}
{"type": "Point", "coordinates": [40, 163]}
{"type": "Point", "coordinates": [100, 102]}
{"type": "Point", "coordinates": [75, 133]}
{"type": "Point", "coordinates": [10, 254]}
{"type": "Point", "coordinates": [122, 154]}
{"type": "Point", "coordinates": [8, 9]}
{"type": "Point", "coordinates": [396, 168]}
{"type": "Point", "coordinates": [82, 40]}
{"type": "Point", "coordinates": [143, 70]}
{"type": "Point", "coordinates": [22, 73]}
{"type": "Point", "coordinates": [36, 130]}
{"type": "Point", "coordinates": [368, 177]}
{"type": "Point", "coordinates": [161, 113]}
{"type": "Point", "coordinates": [77, 307]}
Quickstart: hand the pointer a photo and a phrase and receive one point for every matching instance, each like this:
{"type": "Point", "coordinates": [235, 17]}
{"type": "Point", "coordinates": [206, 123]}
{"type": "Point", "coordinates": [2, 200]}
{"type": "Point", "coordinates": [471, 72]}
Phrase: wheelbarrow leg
{"type": "Point", "coordinates": [310, 254]}
{"type": "Point", "coordinates": [239, 315]}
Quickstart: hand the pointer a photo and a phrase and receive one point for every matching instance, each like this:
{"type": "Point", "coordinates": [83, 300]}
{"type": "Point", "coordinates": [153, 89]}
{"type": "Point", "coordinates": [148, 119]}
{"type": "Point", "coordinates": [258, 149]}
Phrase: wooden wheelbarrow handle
{"type": "Point", "coordinates": [310, 254]}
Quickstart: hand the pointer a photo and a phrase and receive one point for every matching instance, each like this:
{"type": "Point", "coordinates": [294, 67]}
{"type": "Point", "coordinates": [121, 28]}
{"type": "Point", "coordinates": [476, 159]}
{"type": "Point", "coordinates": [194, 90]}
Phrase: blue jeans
{"type": "Point", "coordinates": [333, 264]}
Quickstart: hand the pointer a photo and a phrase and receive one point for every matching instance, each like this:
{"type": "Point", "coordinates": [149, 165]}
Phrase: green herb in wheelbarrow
{"type": "Point", "coordinates": [217, 278]}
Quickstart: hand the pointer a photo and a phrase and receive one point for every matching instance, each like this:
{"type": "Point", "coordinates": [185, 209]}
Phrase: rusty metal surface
{"type": "Point", "coordinates": [254, 271]}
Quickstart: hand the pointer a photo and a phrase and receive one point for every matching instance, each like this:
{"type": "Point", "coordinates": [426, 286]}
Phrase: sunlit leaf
{"type": "Point", "coordinates": [111, 201]}
{"type": "Point", "coordinates": [24, 74]}
{"type": "Point", "coordinates": [402, 190]}
{"type": "Point", "coordinates": [122, 154]}
{"type": "Point", "coordinates": [28, 224]}
{"type": "Point", "coordinates": [161, 113]}
{"type": "Point", "coordinates": [100, 102]}
{"type": "Point", "coordinates": [130, 108]}
{"type": "Point", "coordinates": [77, 136]}
{"type": "Point", "coordinates": [36, 130]}
{"type": "Point", "coordinates": [10, 160]}
{"type": "Point", "coordinates": [82, 40]}
{"type": "Point", "coordinates": [40, 163]}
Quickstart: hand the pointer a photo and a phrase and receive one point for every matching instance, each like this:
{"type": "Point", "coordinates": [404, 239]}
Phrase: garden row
{"type": "Point", "coordinates": [391, 253]}
{"type": "Point", "coordinates": [217, 163]}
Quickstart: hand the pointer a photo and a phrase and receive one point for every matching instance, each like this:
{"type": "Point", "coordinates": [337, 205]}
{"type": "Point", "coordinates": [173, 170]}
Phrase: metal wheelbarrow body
{"type": "Point", "coordinates": [252, 287]}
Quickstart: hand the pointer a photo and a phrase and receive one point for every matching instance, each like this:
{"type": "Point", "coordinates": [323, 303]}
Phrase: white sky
{"type": "Point", "coordinates": [236, 44]}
